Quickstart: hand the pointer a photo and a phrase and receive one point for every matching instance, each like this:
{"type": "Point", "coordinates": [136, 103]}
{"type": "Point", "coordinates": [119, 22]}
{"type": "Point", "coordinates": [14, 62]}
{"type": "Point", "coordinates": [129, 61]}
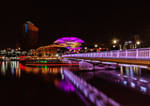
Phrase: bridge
{"type": "Point", "coordinates": [139, 56]}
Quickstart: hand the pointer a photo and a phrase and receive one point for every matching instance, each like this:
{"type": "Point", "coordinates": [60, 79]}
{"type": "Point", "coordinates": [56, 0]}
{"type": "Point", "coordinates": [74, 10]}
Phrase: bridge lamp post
{"type": "Point", "coordinates": [95, 45]}
{"type": "Point", "coordinates": [115, 41]}
{"type": "Point", "coordinates": [138, 43]}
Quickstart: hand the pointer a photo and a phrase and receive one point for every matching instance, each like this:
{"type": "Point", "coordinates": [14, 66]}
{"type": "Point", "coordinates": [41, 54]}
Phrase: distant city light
{"type": "Point", "coordinates": [57, 55]}
{"type": "Point", "coordinates": [85, 48]}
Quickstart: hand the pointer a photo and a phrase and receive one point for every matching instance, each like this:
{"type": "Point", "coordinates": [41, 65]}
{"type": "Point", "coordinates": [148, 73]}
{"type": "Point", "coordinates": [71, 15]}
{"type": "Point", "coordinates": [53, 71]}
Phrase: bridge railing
{"type": "Point", "coordinates": [141, 53]}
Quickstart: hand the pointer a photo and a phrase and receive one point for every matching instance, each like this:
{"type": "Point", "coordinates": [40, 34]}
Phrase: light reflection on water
{"type": "Point", "coordinates": [130, 76]}
{"type": "Point", "coordinates": [15, 69]}
{"type": "Point", "coordinates": [36, 85]}
{"type": "Point", "coordinates": [136, 78]}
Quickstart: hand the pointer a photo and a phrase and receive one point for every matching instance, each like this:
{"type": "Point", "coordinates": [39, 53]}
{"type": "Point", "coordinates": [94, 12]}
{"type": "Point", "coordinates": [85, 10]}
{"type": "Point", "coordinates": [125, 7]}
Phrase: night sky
{"type": "Point", "coordinates": [100, 24]}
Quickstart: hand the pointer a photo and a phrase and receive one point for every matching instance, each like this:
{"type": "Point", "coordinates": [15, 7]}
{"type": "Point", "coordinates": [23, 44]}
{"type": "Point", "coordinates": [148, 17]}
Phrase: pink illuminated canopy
{"type": "Point", "coordinates": [70, 42]}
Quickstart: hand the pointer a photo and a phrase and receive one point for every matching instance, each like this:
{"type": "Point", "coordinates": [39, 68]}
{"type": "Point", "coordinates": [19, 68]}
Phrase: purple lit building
{"type": "Point", "coordinates": [71, 43]}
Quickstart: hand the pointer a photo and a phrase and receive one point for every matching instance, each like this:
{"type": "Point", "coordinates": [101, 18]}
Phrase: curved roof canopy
{"type": "Point", "coordinates": [52, 47]}
{"type": "Point", "coordinates": [70, 42]}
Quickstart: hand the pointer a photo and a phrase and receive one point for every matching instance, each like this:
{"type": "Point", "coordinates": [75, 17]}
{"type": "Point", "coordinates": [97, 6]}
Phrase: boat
{"type": "Point", "coordinates": [46, 62]}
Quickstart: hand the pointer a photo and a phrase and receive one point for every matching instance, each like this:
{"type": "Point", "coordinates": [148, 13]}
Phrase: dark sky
{"type": "Point", "coordinates": [93, 24]}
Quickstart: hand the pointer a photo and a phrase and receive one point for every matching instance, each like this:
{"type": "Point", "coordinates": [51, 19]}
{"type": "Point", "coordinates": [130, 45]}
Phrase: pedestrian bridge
{"type": "Point", "coordinates": [131, 56]}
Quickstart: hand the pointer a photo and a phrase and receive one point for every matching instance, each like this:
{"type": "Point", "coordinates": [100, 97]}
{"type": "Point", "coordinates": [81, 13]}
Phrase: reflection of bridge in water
{"type": "Point", "coordinates": [129, 76]}
{"type": "Point", "coordinates": [132, 76]}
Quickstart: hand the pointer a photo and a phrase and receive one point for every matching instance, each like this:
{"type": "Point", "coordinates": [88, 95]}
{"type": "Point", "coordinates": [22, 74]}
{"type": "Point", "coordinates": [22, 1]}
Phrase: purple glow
{"type": "Point", "coordinates": [69, 39]}
{"type": "Point", "coordinates": [68, 47]}
{"type": "Point", "coordinates": [70, 42]}
{"type": "Point", "coordinates": [77, 48]}
{"type": "Point", "coordinates": [66, 86]}
{"type": "Point", "coordinates": [95, 96]}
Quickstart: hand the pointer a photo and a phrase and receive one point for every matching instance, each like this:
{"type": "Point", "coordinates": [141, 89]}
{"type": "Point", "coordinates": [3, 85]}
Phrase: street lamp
{"type": "Point", "coordinates": [95, 45]}
{"type": "Point", "coordinates": [114, 41]}
{"type": "Point", "coordinates": [138, 42]}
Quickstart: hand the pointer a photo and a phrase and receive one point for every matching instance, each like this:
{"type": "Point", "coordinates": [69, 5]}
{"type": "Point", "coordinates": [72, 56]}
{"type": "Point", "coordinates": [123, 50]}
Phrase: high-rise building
{"type": "Point", "coordinates": [30, 36]}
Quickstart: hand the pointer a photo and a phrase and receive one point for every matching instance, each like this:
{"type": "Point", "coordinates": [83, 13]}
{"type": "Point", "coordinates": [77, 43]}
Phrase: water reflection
{"type": "Point", "coordinates": [64, 85]}
{"type": "Point", "coordinates": [36, 85]}
{"type": "Point", "coordinates": [131, 76]}
{"type": "Point", "coordinates": [135, 77]}
{"type": "Point", "coordinates": [57, 74]}
{"type": "Point", "coordinates": [14, 68]}
{"type": "Point", "coordinates": [38, 70]}
{"type": "Point", "coordinates": [85, 66]}
{"type": "Point", "coordinates": [59, 80]}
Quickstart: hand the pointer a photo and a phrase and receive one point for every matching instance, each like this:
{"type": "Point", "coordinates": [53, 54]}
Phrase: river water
{"type": "Point", "coordinates": [22, 85]}
{"type": "Point", "coordinates": [35, 86]}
